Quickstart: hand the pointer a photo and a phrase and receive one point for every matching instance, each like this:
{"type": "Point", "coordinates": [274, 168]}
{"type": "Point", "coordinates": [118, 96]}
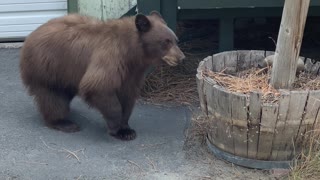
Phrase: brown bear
{"type": "Point", "coordinates": [103, 62]}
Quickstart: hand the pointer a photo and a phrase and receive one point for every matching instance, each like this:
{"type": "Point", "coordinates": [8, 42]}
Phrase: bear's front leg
{"type": "Point", "coordinates": [127, 103]}
{"type": "Point", "coordinates": [111, 109]}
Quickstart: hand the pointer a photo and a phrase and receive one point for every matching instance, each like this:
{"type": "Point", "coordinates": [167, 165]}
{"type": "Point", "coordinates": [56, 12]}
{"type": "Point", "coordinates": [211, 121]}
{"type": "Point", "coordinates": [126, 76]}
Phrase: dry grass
{"type": "Point", "coordinates": [247, 81]}
{"type": "Point", "coordinates": [172, 84]}
{"type": "Point", "coordinates": [200, 126]}
{"type": "Point", "coordinates": [308, 161]}
{"type": "Point", "coordinates": [307, 81]}
{"type": "Point", "coordinates": [256, 79]}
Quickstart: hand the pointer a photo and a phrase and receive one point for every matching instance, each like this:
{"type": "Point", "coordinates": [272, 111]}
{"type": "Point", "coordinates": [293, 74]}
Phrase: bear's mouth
{"type": "Point", "coordinates": [171, 61]}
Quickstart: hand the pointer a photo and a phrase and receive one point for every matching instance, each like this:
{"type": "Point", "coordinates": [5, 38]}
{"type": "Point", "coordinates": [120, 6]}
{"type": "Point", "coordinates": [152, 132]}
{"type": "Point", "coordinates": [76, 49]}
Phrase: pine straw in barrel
{"type": "Point", "coordinates": [307, 81]}
{"type": "Point", "coordinates": [256, 79]}
{"type": "Point", "coordinates": [247, 81]}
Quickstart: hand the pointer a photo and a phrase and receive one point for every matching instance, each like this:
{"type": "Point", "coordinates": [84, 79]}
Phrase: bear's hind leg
{"type": "Point", "coordinates": [54, 107]}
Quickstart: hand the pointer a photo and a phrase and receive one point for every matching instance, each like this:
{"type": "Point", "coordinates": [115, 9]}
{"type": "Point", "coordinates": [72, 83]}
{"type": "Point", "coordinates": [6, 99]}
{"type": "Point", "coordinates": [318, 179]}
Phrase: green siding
{"type": "Point", "coordinates": [72, 6]}
{"type": "Point", "coordinates": [169, 13]}
{"type": "Point", "coordinates": [105, 9]}
{"type": "Point", "coordinates": [167, 8]}
{"type": "Point", "coordinates": [216, 4]}
{"type": "Point", "coordinates": [91, 8]}
{"type": "Point", "coordinates": [146, 6]}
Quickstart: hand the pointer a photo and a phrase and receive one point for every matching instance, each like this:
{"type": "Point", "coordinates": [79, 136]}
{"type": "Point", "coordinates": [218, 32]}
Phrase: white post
{"type": "Point", "coordinates": [289, 43]}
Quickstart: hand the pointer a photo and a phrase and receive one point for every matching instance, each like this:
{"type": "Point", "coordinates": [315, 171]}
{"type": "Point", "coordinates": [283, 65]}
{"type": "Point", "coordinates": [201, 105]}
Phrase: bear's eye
{"type": "Point", "coordinates": [168, 41]}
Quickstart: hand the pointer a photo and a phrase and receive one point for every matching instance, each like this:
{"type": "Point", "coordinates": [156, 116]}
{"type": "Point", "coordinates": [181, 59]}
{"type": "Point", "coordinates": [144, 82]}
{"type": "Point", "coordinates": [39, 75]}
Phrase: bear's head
{"type": "Point", "coordinates": [158, 40]}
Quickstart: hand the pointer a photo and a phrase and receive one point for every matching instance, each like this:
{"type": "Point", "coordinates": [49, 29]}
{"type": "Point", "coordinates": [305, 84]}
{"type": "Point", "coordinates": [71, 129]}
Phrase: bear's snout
{"type": "Point", "coordinates": [174, 56]}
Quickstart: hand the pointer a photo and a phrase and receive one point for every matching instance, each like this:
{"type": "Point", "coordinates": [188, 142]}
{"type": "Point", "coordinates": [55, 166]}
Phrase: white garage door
{"type": "Point", "coordinates": [18, 18]}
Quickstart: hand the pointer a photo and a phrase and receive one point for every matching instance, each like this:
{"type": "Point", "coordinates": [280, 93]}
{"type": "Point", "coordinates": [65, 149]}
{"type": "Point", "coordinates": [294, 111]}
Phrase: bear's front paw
{"type": "Point", "coordinates": [125, 134]}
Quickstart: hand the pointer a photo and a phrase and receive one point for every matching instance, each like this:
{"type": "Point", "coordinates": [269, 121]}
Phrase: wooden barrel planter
{"type": "Point", "coordinates": [245, 130]}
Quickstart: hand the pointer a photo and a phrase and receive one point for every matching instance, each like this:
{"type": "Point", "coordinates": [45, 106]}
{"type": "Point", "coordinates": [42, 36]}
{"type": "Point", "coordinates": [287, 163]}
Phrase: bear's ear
{"type": "Point", "coordinates": [157, 15]}
{"type": "Point", "coordinates": [142, 23]}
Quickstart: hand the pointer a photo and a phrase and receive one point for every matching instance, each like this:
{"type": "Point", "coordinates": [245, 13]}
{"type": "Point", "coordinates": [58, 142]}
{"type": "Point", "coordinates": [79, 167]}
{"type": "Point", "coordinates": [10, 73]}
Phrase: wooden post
{"type": "Point", "coordinates": [289, 43]}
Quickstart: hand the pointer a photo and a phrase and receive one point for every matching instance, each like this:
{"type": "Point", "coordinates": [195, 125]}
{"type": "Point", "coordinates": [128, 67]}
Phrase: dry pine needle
{"type": "Point", "coordinates": [257, 80]}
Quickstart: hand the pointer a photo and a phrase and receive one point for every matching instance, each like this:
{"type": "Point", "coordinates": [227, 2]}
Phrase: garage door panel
{"type": "Point", "coordinates": [28, 1]}
{"type": "Point", "coordinates": [18, 28]}
{"type": "Point", "coordinates": [4, 15]}
{"type": "Point", "coordinates": [18, 18]}
{"type": "Point", "coordinates": [14, 35]}
{"type": "Point", "coordinates": [33, 7]}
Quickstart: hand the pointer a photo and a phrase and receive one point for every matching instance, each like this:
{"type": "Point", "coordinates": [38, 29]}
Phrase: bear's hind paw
{"type": "Point", "coordinates": [125, 134]}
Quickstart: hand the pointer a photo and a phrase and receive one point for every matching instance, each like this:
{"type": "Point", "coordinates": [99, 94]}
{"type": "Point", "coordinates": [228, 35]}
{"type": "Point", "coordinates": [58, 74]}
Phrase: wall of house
{"type": "Point", "coordinates": [105, 9]}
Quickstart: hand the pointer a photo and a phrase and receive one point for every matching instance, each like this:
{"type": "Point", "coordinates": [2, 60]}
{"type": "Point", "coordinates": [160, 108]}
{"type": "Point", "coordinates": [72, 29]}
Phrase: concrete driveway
{"type": "Point", "coordinates": [29, 150]}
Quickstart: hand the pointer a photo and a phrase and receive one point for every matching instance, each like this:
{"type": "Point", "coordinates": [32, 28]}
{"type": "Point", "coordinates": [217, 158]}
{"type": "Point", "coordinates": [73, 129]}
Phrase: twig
{"type": "Point", "coordinates": [79, 177]}
{"type": "Point", "coordinates": [202, 177]}
{"type": "Point", "coordinates": [29, 162]}
{"type": "Point", "coordinates": [151, 145]}
{"type": "Point", "coordinates": [274, 42]}
{"type": "Point", "coordinates": [152, 164]}
{"type": "Point", "coordinates": [131, 162]}
{"type": "Point", "coordinates": [70, 153]}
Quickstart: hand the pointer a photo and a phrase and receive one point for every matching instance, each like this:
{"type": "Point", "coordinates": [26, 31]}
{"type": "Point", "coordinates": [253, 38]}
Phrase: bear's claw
{"type": "Point", "coordinates": [125, 134]}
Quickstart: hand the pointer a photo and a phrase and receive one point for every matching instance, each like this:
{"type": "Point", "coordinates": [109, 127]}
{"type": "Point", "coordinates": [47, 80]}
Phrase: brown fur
{"type": "Point", "coordinates": [102, 62]}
